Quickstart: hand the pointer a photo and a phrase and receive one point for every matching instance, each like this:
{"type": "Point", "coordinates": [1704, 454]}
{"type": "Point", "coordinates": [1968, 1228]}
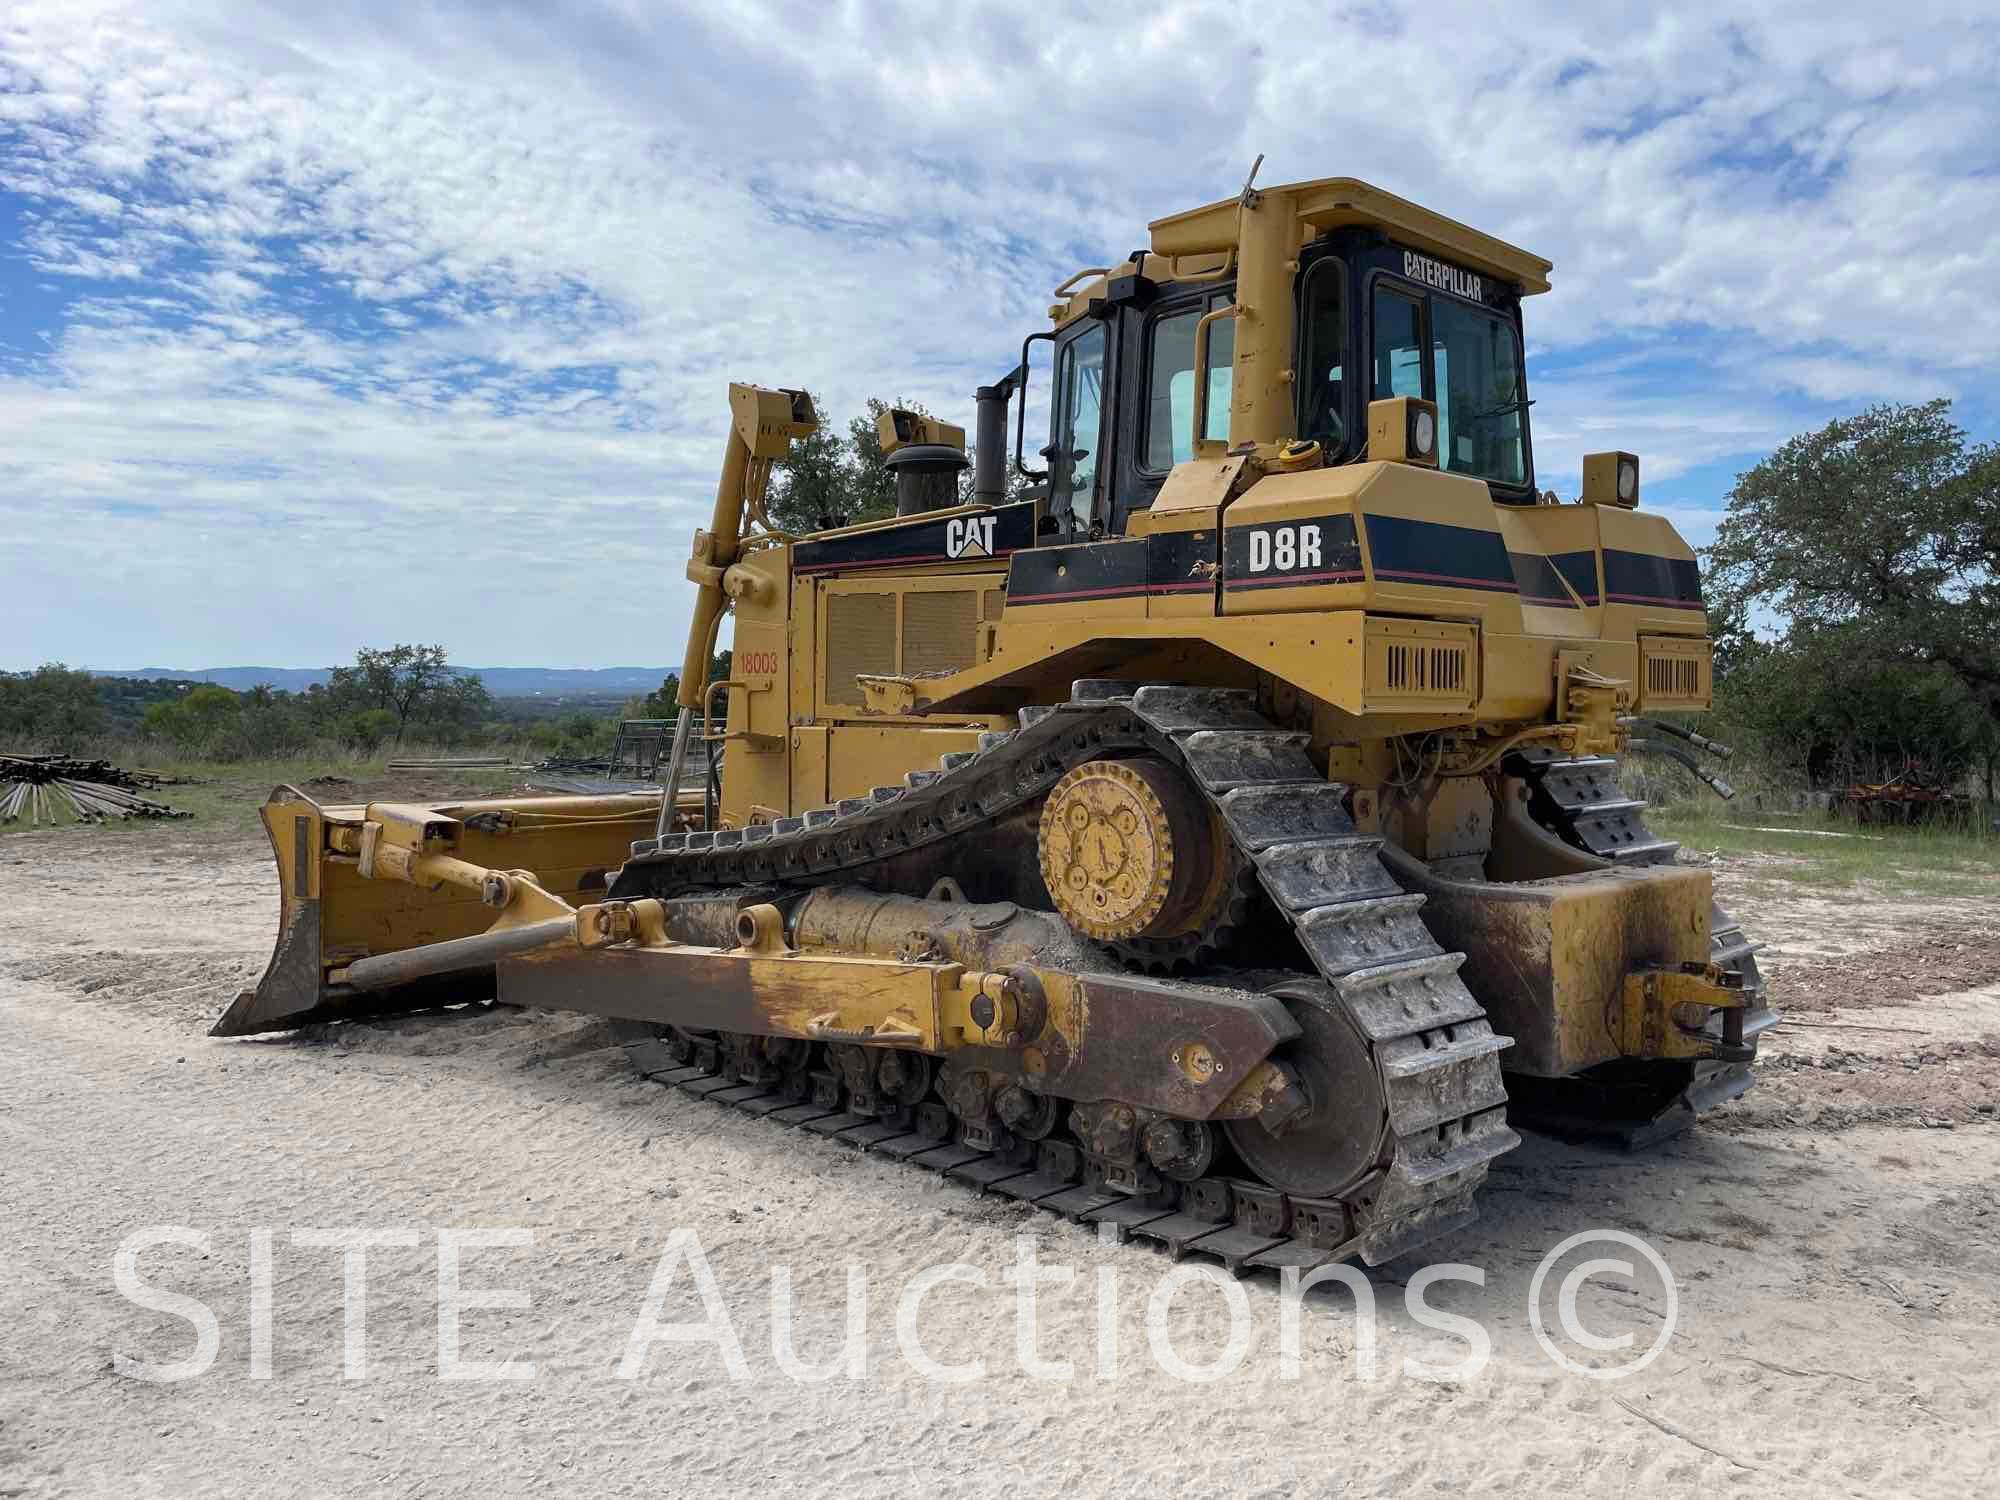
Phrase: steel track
{"type": "Point", "coordinates": [1426, 1038]}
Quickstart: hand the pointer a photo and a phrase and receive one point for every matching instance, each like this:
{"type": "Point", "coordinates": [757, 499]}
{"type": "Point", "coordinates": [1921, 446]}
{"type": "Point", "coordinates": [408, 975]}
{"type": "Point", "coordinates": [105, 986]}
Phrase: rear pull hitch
{"type": "Point", "coordinates": [1667, 1011]}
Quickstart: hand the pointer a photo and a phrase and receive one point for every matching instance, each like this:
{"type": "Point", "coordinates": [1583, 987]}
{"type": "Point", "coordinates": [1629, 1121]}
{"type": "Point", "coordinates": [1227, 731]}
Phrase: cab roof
{"type": "Point", "coordinates": [1327, 203]}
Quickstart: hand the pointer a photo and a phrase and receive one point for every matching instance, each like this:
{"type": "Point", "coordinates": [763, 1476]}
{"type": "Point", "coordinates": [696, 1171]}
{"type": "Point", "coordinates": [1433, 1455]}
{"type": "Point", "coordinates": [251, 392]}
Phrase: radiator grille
{"type": "Point", "coordinates": [1438, 670]}
{"type": "Point", "coordinates": [1420, 666]}
{"type": "Point", "coordinates": [1673, 677]}
{"type": "Point", "coordinates": [938, 631]}
{"type": "Point", "coordinates": [1674, 672]}
{"type": "Point", "coordinates": [860, 637]}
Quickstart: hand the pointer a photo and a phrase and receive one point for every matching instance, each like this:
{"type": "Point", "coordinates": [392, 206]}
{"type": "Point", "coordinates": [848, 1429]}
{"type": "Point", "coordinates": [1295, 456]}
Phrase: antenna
{"type": "Point", "coordinates": [1245, 196]}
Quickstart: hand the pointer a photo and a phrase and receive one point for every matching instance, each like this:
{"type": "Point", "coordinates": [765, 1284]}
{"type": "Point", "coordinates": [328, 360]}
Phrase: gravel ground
{"type": "Point", "coordinates": [1831, 1238]}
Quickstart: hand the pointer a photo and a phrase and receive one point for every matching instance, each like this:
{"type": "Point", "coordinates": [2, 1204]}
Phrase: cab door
{"type": "Point", "coordinates": [1079, 446]}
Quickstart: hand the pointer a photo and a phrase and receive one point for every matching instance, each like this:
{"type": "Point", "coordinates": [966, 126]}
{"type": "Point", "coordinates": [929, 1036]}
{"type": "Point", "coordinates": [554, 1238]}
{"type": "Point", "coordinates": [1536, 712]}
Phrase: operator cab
{"type": "Point", "coordinates": [1372, 318]}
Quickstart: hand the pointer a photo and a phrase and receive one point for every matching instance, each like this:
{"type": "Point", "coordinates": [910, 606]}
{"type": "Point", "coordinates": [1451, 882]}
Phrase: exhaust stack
{"type": "Point", "coordinates": [989, 443]}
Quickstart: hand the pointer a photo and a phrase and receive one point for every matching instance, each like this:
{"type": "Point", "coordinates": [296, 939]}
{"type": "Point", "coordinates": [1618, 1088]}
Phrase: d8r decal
{"type": "Point", "coordinates": [1299, 552]}
{"type": "Point", "coordinates": [1285, 547]}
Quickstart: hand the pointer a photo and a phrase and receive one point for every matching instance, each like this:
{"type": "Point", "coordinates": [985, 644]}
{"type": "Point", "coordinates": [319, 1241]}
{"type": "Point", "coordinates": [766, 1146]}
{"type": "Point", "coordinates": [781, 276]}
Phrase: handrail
{"type": "Point", "coordinates": [708, 715]}
{"type": "Point", "coordinates": [1084, 275]}
{"type": "Point", "coordinates": [1195, 278]}
{"type": "Point", "coordinates": [1021, 412]}
{"type": "Point", "coordinates": [1199, 433]}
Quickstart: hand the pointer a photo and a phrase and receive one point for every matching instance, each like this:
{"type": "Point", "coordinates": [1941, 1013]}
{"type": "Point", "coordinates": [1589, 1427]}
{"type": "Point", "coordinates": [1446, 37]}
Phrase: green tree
{"type": "Point", "coordinates": [665, 702]}
{"type": "Point", "coordinates": [272, 728]}
{"type": "Point", "coordinates": [847, 480]}
{"type": "Point", "coordinates": [196, 721]}
{"type": "Point", "coordinates": [1866, 555]}
{"type": "Point", "coordinates": [54, 704]}
{"type": "Point", "coordinates": [813, 485]}
{"type": "Point", "coordinates": [874, 488]}
{"type": "Point", "coordinates": [365, 729]}
{"type": "Point", "coordinates": [1884, 525]}
{"type": "Point", "coordinates": [412, 684]}
{"type": "Point", "coordinates": [662, 703]}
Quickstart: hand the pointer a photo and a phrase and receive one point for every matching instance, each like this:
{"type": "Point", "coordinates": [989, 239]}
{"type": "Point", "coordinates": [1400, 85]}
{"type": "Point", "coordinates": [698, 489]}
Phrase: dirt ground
{"type": "Point", "coordinates": [1833, 1240]}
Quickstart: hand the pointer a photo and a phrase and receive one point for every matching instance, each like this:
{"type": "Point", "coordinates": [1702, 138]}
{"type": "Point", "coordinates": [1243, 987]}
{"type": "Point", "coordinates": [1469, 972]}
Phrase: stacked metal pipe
{"type": "Point", "coordinates": [45, 788]}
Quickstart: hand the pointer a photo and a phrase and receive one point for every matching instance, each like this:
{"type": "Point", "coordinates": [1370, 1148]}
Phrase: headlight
{"type": "Point", "coordinates": [1611, 479]}
{"type": "Point", "coordinates": [1403, 430]}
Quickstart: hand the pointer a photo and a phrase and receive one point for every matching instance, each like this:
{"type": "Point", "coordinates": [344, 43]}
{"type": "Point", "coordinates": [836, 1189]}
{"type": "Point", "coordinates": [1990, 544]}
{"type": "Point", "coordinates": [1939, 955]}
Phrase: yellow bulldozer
{"type": "Point", "coordinates": [1214, 839]}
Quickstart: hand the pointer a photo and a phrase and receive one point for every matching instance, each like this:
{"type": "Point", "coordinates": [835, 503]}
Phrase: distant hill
{"type": "Point", "coordinates": [501, 682]}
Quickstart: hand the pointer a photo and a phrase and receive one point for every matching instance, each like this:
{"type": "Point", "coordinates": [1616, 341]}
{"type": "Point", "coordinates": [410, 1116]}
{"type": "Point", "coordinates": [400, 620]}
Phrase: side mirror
{"type": "Point", "coordinates": [1021, 413]}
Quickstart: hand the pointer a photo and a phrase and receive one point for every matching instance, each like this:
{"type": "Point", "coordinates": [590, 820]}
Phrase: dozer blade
{"type": "Point", "coordinates": [332, 916]}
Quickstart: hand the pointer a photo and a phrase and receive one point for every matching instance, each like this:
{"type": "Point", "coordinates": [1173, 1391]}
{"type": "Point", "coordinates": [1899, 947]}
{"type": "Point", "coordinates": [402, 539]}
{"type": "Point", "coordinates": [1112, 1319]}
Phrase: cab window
{"type": "Point", "coordinates": [1323, 409]}
{"type": "Point", "coordinates": [1079, 424]}
{"type": "Point", "coordinates": [1469, 364]}
{"type": "Point", "coordinates": [1476, 361]}
{"type": "Point", "coordinates": [1170, 384]}
{"type": "Point", "coordinates": [1399, 345]}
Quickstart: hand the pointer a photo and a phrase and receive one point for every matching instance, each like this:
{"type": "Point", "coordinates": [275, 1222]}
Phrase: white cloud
{"type": "Point", "coordinates": [405, 321]}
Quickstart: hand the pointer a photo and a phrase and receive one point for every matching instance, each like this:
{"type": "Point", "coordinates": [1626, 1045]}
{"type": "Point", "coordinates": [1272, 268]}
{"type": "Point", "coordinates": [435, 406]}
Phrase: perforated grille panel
{"type": "Point", "coordinates": [860, 637]}
{"type": "Point", "coordinates": [1675, 672]}
{"type": "Point", "coordinates": [938, 631]}
{"type": "Point", "coordinates": [1425, 665]}
{"type": "Point", "coordinates": [1672, 677]}
{"type": "Point", "coordinates": [1426, 669]}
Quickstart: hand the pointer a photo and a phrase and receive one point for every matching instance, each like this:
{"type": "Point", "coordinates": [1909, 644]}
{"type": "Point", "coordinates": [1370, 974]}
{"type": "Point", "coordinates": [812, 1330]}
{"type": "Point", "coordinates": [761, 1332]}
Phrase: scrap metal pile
{"type": "Point", "coordinates": [43, 787]}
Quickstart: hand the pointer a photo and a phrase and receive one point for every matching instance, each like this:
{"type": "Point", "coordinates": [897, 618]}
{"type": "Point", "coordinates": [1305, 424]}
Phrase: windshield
{"type": "Point", "coordinates": [1473, 373]}
{"type": "Point", "coordinates": [1480, 398]}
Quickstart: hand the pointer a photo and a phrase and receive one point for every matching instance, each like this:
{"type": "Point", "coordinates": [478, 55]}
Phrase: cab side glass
{"type": "Point", "coordinates": [1079, 429]}
{"type": "Point", "coordinates": [1323, 331]}
{"type": "Point", "coordinates": [1399, 346]}
{"type": "Point", "coordinates": [1170, 387]}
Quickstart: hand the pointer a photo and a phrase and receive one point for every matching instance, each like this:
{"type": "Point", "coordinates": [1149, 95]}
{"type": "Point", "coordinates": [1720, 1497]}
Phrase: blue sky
{"type": "Point", "coordinates": [323, 326]}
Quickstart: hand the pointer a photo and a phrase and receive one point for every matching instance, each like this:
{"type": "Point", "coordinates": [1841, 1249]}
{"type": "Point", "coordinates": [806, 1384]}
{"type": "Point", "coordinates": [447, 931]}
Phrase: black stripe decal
{"type": "Point", "coordinates": [1179, 563]}
{"type": "Point", "coordinates": [1440, 556]}
{"type": "Point", "coordinates": [1310, 551]}
{"type": "Point", "coordinates": [922, 540]}
{"type": "Point", "coordinates": [1580, 569]}
{"type": "Point", "coordinates": [1643, 578]}
{"type": "Point", "coordinates": [1062, 575]}
{"type": "Point", "coordinates": [1539, 581]}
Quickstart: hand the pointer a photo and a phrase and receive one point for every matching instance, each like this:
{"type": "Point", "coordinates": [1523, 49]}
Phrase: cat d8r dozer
{"type": "Point", "coordinates": [1213, 840]}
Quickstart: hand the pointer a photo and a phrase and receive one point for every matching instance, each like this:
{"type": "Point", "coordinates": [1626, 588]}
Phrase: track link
{"type": "Point", "coordinates": [1427, 1038]}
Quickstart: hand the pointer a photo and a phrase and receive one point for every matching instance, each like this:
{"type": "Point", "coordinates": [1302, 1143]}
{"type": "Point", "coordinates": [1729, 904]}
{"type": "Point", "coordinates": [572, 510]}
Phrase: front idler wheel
{"type": "Point", "coordinates": [1324, 1149]}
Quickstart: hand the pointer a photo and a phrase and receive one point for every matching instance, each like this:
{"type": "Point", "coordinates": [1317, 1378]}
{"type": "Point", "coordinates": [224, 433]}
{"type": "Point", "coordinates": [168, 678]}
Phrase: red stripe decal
{"type": "Point", "coordinates": [1649, 599]}
{"type": "Point", "coordinates": [1131, 588]}
{"type": "Point", "coordinates": [908, 557]}
{"type": "Point", "coordinates": [1344, 575]}
{"type": "Point", "coordinates": [1453, 580]}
